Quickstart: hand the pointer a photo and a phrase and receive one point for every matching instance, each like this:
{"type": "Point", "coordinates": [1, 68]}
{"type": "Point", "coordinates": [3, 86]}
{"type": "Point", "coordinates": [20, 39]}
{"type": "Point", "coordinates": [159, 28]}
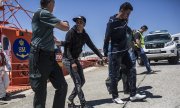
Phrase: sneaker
{"type": "Point", "coordinates": [137, 97]}
{"type": "Point", "coordinates": [118, 101]}
{"type": "Point", "coordinates": [71, 104]}
{"type": "Point", "coordinates": [87, 106]}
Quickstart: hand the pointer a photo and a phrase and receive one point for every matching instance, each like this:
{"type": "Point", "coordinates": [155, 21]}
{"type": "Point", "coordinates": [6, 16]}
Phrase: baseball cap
{"type": "Point", "coordinates": [79, 17]}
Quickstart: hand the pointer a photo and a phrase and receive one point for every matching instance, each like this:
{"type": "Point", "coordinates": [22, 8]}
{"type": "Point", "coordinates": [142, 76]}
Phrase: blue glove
{"type": "Point", "coordinates": [142, 51]}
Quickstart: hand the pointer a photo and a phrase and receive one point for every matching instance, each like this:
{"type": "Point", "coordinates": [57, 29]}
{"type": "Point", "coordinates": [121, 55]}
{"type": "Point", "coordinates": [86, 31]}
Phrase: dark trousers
{"type": "Point", "coordinates": [146, 62]}
{"type": "Point", "coordinates": [78, 79]}
{"type": "Point", "coordinates": [116, 61]}
{"type": "Point", "coordinates": [124, 76]}
{"type": "Point", "coordinates": [132, 73]}
{"type": "Point", "coordinates": [127, 76]}
{"type": "Point", "coordinates": [43, 66]}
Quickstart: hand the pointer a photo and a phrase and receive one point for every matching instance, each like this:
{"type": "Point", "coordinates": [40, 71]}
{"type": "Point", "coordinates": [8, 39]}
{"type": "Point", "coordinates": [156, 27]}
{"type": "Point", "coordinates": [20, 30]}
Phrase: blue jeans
{"type": "Point", "coordinates": [132, 76]}
{"type": "Point", "coordinates": [78, 79]}
{"type": "Point", "coordinates": [115, 62]}
{"type": "Point", "coordinates": [133, 57]}
{"type": "Point", "coordinates": [146, 62]}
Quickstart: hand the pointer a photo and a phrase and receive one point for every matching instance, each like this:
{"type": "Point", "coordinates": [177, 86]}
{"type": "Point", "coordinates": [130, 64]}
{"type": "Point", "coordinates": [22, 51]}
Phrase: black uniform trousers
{"type": "Point", "coordinates": [43, 66]}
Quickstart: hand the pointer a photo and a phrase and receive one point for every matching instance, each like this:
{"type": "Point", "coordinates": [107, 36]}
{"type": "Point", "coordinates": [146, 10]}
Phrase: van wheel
{"type": "Point", "coordinates": [174, 60]}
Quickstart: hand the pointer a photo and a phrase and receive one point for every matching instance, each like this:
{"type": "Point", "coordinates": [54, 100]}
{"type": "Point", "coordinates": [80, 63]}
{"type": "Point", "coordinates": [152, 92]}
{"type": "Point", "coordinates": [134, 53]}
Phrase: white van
{"type": "Point", "coordinates": [160, 45]}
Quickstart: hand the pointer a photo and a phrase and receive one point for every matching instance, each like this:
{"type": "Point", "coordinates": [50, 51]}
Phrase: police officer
{"type": "Point", "coordinates": [76, 37]}
{"type": "Point", "coordinates": [42, 63]}
{"type": "Point", "coordinates": [139, 43]}
{"type": "Point", "coordinates": [117, 31]}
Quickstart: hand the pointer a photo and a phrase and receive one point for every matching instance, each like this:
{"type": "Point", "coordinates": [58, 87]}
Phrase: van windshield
{"type": "Point", "coordinates": [158, 37]}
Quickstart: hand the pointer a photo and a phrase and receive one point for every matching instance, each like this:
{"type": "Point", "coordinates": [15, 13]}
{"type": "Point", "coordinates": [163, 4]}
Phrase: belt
{"type": "Point", "coordinates": [41, 50]}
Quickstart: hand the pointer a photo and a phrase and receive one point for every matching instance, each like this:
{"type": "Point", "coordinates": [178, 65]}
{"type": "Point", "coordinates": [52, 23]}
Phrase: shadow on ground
{"type": "Point", "coordinates": [100, 101]}
{"type": "Point", "coordinates": [143, 90]}
{"type": "Point", "coordinates": [145, 72]}
{"type": "Point", "coordinates": [15, 97]}
{"type": "Point", "coordinates": [140, 90]}
{"type": "Point", "coordinates": [3, 103]}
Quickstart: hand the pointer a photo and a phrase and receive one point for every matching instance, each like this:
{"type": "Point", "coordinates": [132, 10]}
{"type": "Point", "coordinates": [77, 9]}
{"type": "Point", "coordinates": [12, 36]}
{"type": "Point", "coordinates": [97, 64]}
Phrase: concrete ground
{"type": "Point", "coordinates": [162, 89]}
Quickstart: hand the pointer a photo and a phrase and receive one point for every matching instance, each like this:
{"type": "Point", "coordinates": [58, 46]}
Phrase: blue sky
{"type": "Point", "coordinates": [156, 14]}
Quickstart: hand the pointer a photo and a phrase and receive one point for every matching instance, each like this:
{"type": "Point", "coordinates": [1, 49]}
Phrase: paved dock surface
{"type": "Point", "coordinates": [162, 89]}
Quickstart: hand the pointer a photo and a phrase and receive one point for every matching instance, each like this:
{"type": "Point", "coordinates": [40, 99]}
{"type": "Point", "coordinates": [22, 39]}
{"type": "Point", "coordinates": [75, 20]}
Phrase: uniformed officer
{"type": "Point", "coordinates": [139, 43]}
{"type": "Point", "coordinates": [42, 63]}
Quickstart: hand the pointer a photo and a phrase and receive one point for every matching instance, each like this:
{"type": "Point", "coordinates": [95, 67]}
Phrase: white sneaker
{"type": "Point", "coordinates": [118, 101]}
{"type": "Point", "coordinates": [137, 97]}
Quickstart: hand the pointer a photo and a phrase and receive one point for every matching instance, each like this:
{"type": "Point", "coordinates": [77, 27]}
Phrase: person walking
{"type": "Point", "coordinates": [116, 31]}
{"type": "Point", "coordinates": [139, 44]}
{"type": "Point", "coordinates": [42, 63]}
{"type": "Point", "coordinates": [76, 37]}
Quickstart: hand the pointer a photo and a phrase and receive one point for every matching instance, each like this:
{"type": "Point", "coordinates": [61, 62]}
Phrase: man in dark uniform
{"type": "Point", "coordinates": [116, 31]}
{"type": "Point", "coordinates": [74, 41]}
{"type": "Point", "coordinates": [42, 63]}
